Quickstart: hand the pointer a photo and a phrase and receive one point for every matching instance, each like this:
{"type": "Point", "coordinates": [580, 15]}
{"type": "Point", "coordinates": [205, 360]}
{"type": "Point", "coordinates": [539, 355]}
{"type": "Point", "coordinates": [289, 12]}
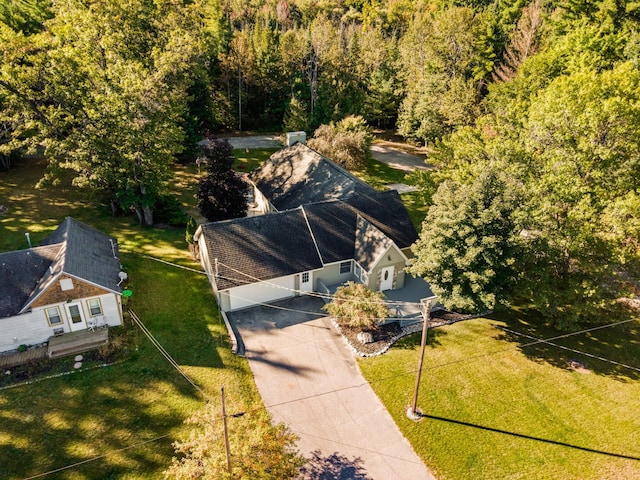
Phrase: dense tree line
{"type": "Point", "coordinates": [529, 108]}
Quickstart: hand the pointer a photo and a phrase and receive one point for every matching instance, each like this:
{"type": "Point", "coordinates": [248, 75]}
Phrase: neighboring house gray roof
{"type": "Point", "coordinates": [258, 248]}
{"type": "Point", "coordinates": [74, 249]}
{"type": "Point", "coordinates": [20, 273]}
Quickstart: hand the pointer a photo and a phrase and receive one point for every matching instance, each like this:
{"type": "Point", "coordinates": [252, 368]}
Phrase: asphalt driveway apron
{"type": "Point", "coordinates": [309, 380]}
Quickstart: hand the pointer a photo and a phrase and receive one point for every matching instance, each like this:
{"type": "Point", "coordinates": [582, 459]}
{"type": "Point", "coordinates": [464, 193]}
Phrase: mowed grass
{"type": "Point", "coordinates": [113, 410]}
{"type": "Point", "coordinates": [499, 408]}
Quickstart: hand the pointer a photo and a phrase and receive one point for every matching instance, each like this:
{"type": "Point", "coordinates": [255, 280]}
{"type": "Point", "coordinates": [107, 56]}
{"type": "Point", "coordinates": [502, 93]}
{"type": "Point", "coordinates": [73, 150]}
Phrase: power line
{"type": "Point", "coordinates": [282, 287]}
{"type": "Point", "coordinates": [164, 353]}
{"type": "Point", "coordinates": [318, 314]}
{"type": "Point", "coordinates": [93, 459]}
{"type": "Point", "coordinates": [266, 407]}
{"type": "Point", "coordinates": [571, 349]}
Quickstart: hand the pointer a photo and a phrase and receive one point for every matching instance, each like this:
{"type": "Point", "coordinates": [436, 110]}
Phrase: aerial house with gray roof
{"type": "Point", "coordinates": [317, 226]}
{"type": "Point", "coordinates": [70, 282]}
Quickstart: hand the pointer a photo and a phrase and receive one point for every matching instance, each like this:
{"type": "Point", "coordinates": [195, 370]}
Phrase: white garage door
{"type": "Point", "coordinates": [249, 295]}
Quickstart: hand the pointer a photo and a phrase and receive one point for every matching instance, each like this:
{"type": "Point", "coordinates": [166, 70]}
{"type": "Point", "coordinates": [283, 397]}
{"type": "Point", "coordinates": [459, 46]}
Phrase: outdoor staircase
{"type": "Point", "coordinates": [77, 342]}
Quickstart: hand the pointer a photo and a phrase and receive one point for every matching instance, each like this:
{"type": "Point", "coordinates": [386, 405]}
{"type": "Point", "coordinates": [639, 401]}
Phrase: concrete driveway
{"type": "Point", "coordinates": [309, 380]}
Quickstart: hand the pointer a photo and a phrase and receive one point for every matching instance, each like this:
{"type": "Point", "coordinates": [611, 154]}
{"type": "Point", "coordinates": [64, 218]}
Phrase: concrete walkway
{"type": "Point", "coordinates": [309, 380]}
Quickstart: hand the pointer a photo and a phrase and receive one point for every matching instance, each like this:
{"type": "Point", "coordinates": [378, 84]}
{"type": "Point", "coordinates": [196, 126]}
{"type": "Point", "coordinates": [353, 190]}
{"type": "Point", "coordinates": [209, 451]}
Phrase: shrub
{"type": "Point", "coordinates": [347, 142]}
{"type": "Point", "coordinates": [354, 305]}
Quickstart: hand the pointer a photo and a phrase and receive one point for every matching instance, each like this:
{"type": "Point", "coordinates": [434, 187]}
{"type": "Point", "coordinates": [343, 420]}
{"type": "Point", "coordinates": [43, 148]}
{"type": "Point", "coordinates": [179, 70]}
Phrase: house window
{"type": "Point", "coordinates": [364, 277]}
{"type": "Point", "coordinates": [345, 267]}
{"type": "Point", "coordinates": [94, 307]}
{"type": "Point", "coordinates": [305, 277]}
{"type": "Point", "coordinates": [53, 316]}
{"type": "Point", "coordinates": [357, 270]}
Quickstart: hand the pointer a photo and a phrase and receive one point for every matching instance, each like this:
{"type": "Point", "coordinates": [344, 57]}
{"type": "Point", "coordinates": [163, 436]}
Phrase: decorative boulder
{"type": "Point", "coordinates": [365, 337]}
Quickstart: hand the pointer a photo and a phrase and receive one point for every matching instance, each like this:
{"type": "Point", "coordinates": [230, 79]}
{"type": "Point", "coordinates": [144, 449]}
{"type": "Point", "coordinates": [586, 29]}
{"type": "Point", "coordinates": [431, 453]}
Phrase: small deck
{"type": "Point", "coordinates": [77, 342]}
{"type": "Point", "coordinates": [20, 358]}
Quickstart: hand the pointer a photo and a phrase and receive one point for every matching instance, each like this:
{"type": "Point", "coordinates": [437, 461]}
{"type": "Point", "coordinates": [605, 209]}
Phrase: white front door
{"type": "Point", "coordinates": [386, 278]}
{"type": "Point", "coordinates": [76, 319]}
{"type": "Point", "coordinates": [306, 282]}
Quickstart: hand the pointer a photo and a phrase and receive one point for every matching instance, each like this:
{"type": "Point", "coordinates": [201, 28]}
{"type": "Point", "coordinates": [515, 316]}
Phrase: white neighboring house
{"type": "Point", "coordinates": [320, 227]}
{"type": "Point", "coordinates": [69, 282]}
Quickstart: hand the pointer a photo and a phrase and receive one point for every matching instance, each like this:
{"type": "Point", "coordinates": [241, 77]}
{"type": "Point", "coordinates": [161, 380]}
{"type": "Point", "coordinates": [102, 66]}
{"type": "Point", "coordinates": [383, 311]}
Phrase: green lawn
{"type": "Point", "coordinates": [499, 409]}
{"type": "Point", "coordinates": [61, 421]}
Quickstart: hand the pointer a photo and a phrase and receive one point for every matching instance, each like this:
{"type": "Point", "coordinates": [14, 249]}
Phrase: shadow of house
{"type": "Point", "coordinates": [320, 226]}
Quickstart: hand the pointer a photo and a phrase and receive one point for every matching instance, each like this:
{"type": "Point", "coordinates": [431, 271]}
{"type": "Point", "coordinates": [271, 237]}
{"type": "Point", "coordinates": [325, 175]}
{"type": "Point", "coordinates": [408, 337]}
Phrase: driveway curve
{"type": "Point", "coordinates": [309, 380]}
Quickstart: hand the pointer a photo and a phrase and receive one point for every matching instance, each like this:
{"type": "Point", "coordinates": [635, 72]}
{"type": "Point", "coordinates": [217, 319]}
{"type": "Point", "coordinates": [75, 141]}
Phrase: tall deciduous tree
{"type": "Point", "coordinates": [222, 193]}
{"type": "Point", "coordinates": [106, 94]}
{"type": "Point", "coordinates": [467, 249]}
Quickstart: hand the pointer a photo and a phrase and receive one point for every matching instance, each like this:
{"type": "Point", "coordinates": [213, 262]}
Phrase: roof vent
{"type": "Point", "coordinates": [28, 239]}
{"type": "Point", "coordinates": [122, 276]}
{"type": "Point", "coordinates": [113, 247]}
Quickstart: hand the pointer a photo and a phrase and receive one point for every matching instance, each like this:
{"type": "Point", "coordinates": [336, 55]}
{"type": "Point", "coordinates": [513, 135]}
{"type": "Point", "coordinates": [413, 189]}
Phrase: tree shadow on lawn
{"type": "Point", "coordinates": [67, 420]}
{"type": "Point", "coordinates": [413, 341]}
{"type": "Point", "coordinates": [332, 467]}
{"type": "Point", "coordinates": [618, 347]}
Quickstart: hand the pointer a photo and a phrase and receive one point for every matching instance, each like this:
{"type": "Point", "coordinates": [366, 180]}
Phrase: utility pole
{"type": "Point", "coordinates": [226, 432]}
{"type": "Point", "coordinates": [426, 314]}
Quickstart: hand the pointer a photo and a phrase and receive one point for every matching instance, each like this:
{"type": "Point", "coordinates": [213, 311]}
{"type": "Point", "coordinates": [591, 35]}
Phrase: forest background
{"type": "Point", "coordinates": [530, 112]}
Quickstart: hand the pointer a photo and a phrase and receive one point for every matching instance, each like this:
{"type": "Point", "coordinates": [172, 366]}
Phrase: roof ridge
{"type": "Point", "coordinates": [346, 172]}
{"type": "Point", "coordinates": [313, 236]}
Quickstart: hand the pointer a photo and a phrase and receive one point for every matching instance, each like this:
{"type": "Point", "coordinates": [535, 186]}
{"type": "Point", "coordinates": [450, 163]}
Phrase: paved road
{"type": "Point", "coordinates": [384, 153]}
{"type": "Point", "coordinates": [309, 380]}
{"type": "Point", "coordinates": [256, 141]}
{"type": "Point", "coordinates": [397, 158]}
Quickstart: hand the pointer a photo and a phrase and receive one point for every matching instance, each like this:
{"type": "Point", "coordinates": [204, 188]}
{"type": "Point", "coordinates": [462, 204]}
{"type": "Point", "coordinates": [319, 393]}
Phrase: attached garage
{"type": "Point", "coordinates": [262, 292]}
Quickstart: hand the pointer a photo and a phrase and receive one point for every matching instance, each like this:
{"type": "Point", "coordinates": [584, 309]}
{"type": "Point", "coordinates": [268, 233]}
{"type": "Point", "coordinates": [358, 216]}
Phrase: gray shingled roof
{"type": "Point", "coordinates": [370, 243]}
{"type": "Point", "coordinates": [333, 226]}
{"type": "Point", "coordinates": [386, 211]}
{"type": "Point", "coordinates": [20, 272]}
{"type": "Point", "coordinates": [260, 248]}
{"type": "Point", "coordinates": [298, 175]}
{"type": "Point", "coordinates": [73, 248]}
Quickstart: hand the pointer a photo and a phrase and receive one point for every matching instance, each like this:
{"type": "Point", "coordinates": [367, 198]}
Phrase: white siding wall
{"type": "Point", "coordinates": [249, 295]}
{"type": "Point", "coordinates": [32, 327]}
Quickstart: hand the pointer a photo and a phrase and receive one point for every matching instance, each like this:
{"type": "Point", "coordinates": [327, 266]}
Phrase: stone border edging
{"type": "Point", "coordinates": [62, 374]}
{"type": "Point", "coordinates": [407, 330]}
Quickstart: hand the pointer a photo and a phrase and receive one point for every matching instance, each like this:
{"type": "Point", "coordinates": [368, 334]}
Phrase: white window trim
{"type": "Point", "coordinates": [46, 312]}
{"type": "Point", "coordinates": [91, 314]}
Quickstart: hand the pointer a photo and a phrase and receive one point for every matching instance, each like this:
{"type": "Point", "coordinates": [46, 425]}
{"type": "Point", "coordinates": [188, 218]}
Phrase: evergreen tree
{"type": "Point", "coordinates": [222, 193]}
{"type": "Point", "coordinates": [467, 249]}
